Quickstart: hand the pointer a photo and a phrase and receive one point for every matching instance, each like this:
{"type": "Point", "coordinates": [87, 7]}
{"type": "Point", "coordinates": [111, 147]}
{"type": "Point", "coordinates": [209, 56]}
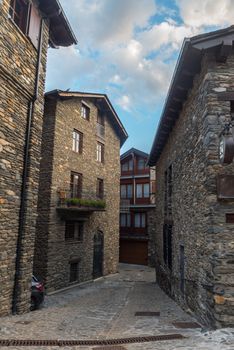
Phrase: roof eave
{"type": "Point", "coordinates": [61, 33]}
{"type": "Point", "coordinates": [122, 133]}
{"type": "Point", "coordinates": [221, 38]}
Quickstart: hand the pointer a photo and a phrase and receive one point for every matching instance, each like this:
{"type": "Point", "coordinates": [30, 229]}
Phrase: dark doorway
{"type": "Point", "coordinates": [98, 255]}
{"type": "Point", "coordinates": [182, 269]}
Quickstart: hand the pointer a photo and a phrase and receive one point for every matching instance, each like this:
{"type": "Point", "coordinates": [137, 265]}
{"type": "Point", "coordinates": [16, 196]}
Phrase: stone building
{"type": "Point", "coordinates": [137, 209]}
{"type": "Point", "coordinates": [26, 30]}
{"type": "Point", "coordinates": [195, 190]}
{"type": "Point", "coordinates": [77, 237]}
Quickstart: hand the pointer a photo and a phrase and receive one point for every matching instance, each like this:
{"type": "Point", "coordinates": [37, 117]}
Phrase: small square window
{"type": "Point", "coordinates": [85, 111]}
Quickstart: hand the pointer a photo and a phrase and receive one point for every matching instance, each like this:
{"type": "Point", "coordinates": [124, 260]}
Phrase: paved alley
{"type": "Point", "coordinates": [106, 309]}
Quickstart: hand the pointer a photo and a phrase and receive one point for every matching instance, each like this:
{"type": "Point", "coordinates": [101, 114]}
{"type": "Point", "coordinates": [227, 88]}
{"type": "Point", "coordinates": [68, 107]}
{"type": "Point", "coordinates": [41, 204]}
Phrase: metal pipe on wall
{"type": "Point", "coordinates": [26, 173]}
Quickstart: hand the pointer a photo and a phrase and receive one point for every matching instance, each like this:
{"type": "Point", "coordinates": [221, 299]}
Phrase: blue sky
{"type": "Point", "coordinates": [128, 50]}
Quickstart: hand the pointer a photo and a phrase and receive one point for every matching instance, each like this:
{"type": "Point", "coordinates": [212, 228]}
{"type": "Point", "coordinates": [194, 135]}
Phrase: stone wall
{"type": "Point", "coordinates": [151, 230]}
{"type": "Point", "coordinates": [17, 76]}
{"type": "Point", "coordinates": [198, 216]}
{"type": "Point", "coordinates": [58, 160]}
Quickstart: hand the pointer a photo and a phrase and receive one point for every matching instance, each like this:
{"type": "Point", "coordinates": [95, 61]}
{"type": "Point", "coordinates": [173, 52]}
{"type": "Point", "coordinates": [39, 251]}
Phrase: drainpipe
{"type": "Point", "coordinates": [26, 173]}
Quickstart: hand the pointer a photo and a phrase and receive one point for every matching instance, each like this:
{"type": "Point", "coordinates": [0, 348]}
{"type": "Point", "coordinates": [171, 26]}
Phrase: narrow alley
{"type": "Point", "coordinates": [105, 309]}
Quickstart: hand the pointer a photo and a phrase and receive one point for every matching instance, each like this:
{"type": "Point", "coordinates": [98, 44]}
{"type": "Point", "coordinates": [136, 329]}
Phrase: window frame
{"type": "Point", "coordinates": [141, 186]}
{"type": "Point", "coordinates": [77, 231]}
{"type": "Point", "coordinates": [76, 189]}
{"type": "Point", "coordinates": [23, 18]}
{"type": "Point", "coordinates": [128, 194]}
{"type": "Point", "coordinates": [138, 162]}
{"type": "Point", "coordinates": [85, 111]}
{"type": "Point", "coordinates": [100, 188]}
{"type": "Point", "coordinates": [128, 164]}
{"type": "Point", "coordinates": [100, 152]}
{"type": "Point", "coordinates": [127, 220]}
{"type": "Point", "coordinates": [77, 143]}
{"type": "Point", "coordinates": [142, 222]}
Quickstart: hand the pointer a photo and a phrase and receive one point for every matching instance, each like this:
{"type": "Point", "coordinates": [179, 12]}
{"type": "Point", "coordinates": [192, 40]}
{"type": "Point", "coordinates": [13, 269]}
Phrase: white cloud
{"type": "Point", "coordinates": [207, 12]}
{"type": "Point", "coordinates": [108, 22]}
{"type": "Point", "coordinates": [163, 34]}
{"type": "Point", "coordinates": [124, 102]}
{"type": "Point", "coordinates": [123, 53]}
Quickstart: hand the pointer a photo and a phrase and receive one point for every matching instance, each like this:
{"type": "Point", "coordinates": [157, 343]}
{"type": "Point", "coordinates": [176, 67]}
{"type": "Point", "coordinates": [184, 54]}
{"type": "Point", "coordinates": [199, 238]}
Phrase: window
{"type": "Point", "coordinates": [74, 271]}
{"type": "Point", "coordinates": [142, 190]}
{"type": "Point", "coordinates": [127, 166]}
{"type": "Point", "coordinates": [76, 185]}
{"type": "Point", "coordinates": [77, 144]}
{"type": "Point", "coordinates": [74, 231]}
{"type": "Point", "coordinates": [19, 12]}
{"type": "Point", "coordinates": [140, 220]}
{"type": "Point", "coordinates": [146, 190]}
{"type": "Point", "coordinates": [100, 152]}
{"type": "Point", "coordinates": [26, 16]}
{"type": "Point", "coordinates": [126, 191]}
{"type": "Point", "coordinates": [85, 111]}
{"type": "Point", "coordinates": [125, 220]}
{"type": "Point", "coordinates": [141, 164]}
{"type": "Point", "coordinates": [100, 188]}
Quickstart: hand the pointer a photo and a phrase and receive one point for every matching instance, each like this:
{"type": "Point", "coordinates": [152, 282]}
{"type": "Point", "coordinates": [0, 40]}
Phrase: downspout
{"type": "Point", "coordinates": [23, 200]}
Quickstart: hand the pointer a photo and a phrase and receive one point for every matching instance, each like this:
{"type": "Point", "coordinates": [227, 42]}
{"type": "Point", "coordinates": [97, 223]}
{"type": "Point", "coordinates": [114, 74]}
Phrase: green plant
{"type": "Point", "coordinates": [92, 203]}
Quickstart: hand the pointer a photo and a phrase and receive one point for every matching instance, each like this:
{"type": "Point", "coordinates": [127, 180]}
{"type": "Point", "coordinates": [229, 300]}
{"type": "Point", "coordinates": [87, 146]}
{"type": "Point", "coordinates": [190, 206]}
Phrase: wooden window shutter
{"type": "Point", "coordinates": [34, 26]}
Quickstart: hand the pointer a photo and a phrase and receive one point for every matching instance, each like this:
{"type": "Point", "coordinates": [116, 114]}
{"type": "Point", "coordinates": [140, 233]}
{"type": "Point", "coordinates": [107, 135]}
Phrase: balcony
{"type": "Point", "coordinates": [100, 131]}
{"type": "Point", "coordinates": [70, 208]}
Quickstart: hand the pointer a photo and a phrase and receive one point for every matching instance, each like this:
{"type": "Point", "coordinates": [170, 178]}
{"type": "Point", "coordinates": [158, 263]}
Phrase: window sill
{"type": "Point", "coordinates": [73, 241]}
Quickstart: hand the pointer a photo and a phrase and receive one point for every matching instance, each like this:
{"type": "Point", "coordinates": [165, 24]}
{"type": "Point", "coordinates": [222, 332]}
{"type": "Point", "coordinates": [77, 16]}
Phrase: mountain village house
{"type": "Point", "coordinates": [26, 30]}
{"type": "Point", "coordinates": [193, 151]}
{"type": "Point", "coordinates": [137, 209]}
{"type": "Point", "coordinates": [77, 235]}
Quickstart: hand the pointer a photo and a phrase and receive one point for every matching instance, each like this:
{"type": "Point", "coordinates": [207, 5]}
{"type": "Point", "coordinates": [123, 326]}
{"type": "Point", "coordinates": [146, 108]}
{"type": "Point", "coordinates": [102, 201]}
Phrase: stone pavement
{"type": "Point", "coordinates": [106, 309]}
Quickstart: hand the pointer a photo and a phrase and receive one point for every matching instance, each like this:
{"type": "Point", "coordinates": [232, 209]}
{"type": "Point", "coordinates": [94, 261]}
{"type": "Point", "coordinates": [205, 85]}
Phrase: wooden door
{"type": "Point", "coordinates": [133, 252]}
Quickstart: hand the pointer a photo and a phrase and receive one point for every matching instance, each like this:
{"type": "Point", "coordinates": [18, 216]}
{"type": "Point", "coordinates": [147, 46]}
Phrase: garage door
{"type": "Point", "coordinates": [133, 252]}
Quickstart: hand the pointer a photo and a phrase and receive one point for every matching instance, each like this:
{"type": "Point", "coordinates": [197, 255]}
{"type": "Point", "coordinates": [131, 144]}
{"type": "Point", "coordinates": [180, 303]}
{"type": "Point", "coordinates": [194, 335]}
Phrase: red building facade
{"type": "Point", "coordinates": [137, 203]}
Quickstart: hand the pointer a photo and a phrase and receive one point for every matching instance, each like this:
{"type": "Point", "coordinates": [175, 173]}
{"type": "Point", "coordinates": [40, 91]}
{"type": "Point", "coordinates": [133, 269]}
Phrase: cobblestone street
{"type": "Point", "coordinates": [106, 309]}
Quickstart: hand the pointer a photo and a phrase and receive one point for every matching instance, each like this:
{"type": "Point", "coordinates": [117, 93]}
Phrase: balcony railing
{"type": "Point", "coordinates": [100, 130]}
{"type": "Point", "coordinates": [124, 205]}
{"type": "Point", "coordinates": [88, 203]}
